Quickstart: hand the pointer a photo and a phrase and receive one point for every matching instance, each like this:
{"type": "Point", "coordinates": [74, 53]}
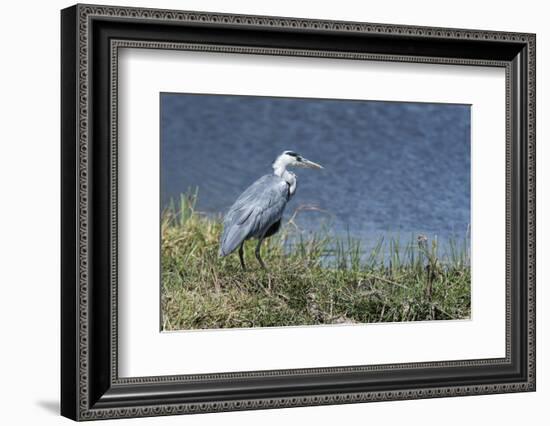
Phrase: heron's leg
{"type": "Point", "coordinates": [258, 254]}
{"type": "Point", "coordinates": [241, 258]}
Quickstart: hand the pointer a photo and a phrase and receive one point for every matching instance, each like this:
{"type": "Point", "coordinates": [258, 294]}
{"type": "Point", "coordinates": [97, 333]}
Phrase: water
{"type": "Point", "coordinates": [391, 169]}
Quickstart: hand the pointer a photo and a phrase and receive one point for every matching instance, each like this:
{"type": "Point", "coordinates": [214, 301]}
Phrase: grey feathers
{"type": "Point", "coordinates": [259, 206]}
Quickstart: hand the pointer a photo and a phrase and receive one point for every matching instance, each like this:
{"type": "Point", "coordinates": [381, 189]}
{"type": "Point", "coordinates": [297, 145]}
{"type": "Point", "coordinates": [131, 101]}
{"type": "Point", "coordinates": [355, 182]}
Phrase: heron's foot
{"type": "Point", "coordinates": [262, 265]}
{"type": "Point", "coordinates": [257, 253]}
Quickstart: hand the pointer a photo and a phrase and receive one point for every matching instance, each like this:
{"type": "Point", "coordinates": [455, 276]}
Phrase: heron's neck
{"type": "Point", "coordinates": [279, 167]}
{"type": "Point", "coordinates": [289, 177]}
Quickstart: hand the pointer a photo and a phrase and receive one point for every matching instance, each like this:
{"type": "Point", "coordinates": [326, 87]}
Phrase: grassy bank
{"type": "Point", "coordinates": [319, 279]}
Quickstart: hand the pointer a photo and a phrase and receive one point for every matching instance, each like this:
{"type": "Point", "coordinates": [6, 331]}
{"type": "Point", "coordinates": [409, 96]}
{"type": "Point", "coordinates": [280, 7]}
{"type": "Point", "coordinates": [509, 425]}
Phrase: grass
{"type": "Point", "coordinates": [318, 279]}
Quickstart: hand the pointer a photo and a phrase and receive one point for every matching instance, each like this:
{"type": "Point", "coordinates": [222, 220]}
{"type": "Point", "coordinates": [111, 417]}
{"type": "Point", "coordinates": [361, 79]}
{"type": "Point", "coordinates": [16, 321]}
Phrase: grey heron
{"type": "Point", "coordinates": [258, 211]}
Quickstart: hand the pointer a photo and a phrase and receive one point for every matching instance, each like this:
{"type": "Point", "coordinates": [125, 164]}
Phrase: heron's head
{"type": "Point", "coordinates": [293, 159]}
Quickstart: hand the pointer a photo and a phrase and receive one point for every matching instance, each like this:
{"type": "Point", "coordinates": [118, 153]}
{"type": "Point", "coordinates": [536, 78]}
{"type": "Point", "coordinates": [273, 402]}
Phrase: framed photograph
{"type": "Point", "coordinates": [263, 212]}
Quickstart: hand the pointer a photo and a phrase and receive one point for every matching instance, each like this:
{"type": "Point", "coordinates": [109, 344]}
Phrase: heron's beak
{"type": "Point", "coordinates": [311, 164]}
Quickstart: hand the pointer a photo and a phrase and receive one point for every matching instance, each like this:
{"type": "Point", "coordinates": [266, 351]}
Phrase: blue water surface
{"type": "Point", "coordinates": [390, 168]}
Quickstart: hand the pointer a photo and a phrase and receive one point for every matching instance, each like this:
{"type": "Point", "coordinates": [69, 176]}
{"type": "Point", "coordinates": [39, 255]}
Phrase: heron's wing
{"type": "Point", "coordinates": [259, 206]}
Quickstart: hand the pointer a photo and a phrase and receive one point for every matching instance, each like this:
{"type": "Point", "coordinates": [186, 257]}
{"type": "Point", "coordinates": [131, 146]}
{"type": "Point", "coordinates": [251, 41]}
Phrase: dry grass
{"type": "Point", "coordinates": [318, 279]}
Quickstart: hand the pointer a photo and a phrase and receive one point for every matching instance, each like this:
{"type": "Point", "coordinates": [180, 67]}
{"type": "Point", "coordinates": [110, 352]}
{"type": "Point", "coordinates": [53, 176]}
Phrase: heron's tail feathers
{"type": "Point", "coordinates": [222, 252]}
{"type": "Point", "coordinates": [232, 238]}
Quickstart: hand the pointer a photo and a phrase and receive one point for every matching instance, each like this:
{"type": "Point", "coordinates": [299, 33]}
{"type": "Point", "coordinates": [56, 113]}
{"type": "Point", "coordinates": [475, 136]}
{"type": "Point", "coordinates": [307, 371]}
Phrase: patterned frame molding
{"type": "Point", "coordinates": [116, 45]}
{"type": "Point", "coordinates": [91, 388]}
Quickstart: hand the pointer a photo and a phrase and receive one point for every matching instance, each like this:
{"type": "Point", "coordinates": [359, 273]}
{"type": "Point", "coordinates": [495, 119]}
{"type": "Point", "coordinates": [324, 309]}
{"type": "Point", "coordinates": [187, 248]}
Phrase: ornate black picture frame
{"type": "Point", "coordinates": [91, 36]}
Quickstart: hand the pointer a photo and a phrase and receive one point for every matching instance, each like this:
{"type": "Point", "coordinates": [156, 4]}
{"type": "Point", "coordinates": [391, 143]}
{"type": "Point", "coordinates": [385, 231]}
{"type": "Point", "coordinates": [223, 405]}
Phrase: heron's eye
{"type": "Point", "coordinates": [299, 158]}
